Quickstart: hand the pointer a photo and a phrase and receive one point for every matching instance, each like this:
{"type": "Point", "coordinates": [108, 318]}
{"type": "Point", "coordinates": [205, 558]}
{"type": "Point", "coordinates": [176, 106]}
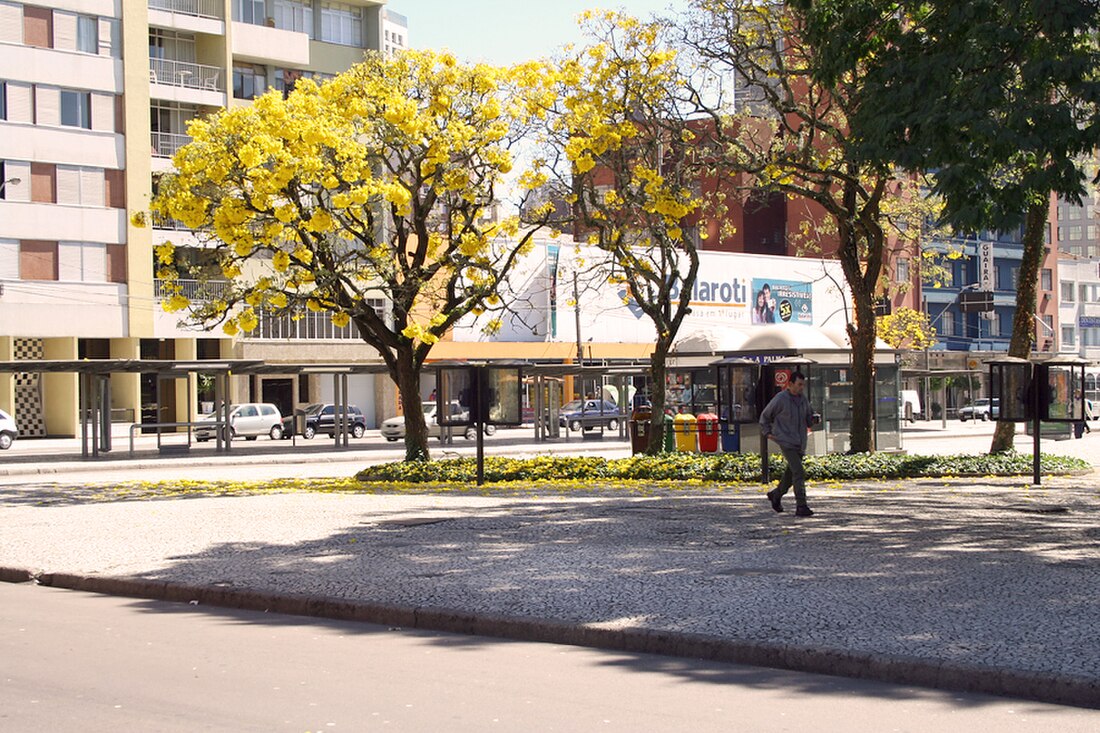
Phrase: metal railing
{"type": "Point", "coordinates": [165, 144]}
{"type": "Point", "coordinates": [161, 221]}
{"type": "Point", "coordinates": [198, 8]}
{"type": "Point", "coordinates": [197, 290]}
{"type": "Point", "coordinates": [186, 74]}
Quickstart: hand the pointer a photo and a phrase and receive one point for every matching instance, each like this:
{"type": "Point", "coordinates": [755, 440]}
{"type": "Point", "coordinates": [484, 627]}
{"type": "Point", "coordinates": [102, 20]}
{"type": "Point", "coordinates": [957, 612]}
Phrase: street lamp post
{"type": "Point", "coordinates": [13, 181]}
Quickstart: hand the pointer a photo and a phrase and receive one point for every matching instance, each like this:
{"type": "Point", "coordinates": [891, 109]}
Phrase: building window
{"type": "Point", "coordinates": [3, 100]}
{"type": "Point", "coordinates": [249, 11]}
{"type": "Point", "coordinates": [171, 46]}
{"type": "Point", "coordinates": [248, 81]}
{"type": "Point", "coordinates": [1075, 232]}
{"type": "Point", "coordinates": [76, 109]}
{"type": "Point", "coordinates": [87, 34]}
{"type": "Point", "coordinates": [1046, 279]}
{"type": "Point", "coordinates": [341, 24]}
{"type": "Point", "coordinates": [37, 260]}
{"type": "Point", "coordinates": [294, 15]}
{"type": "Point", "coordinates": [903, 271]}
{"type": "Point", "coordinates": [1067, 292]}
{"type": "Point", "coordinates": [38, 27]}
{"type": "Point", "coordinates": [948, 323]}
{"type": "Point", "coordinates": [1067, 336]}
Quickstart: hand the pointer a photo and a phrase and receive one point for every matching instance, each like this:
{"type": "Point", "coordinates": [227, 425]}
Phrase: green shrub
{"type": "Point", "coordinates": [721, 468]}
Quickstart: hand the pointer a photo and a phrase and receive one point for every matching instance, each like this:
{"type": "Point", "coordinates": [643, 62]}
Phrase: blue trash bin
{"type": "Point", "coordinates": [731, 438]}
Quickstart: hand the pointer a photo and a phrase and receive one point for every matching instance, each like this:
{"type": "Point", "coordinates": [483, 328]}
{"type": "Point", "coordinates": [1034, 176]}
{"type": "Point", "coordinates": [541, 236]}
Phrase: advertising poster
{"type": "Point", "coordinates": [781, 301]}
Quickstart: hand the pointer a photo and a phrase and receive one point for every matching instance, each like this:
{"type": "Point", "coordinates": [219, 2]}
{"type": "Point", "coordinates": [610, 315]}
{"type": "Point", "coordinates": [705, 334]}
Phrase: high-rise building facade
{"type": "Point", "coordinates": [95, 97]}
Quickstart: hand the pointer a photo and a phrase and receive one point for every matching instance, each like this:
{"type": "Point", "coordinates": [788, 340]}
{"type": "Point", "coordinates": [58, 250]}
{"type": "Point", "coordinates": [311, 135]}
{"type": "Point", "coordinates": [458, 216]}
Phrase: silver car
{"type": "Point", "coordinates": [8, 430]}
{"type": "Point", "coordinates": [393, 429]}
{"type": "Point", "coordinates": [249, 421]}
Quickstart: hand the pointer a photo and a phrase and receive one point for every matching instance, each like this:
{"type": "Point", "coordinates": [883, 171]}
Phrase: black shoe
{"type": "Point", "coordinates": [803, 511]}
{"type": "Point", "coordinates": [773, 497]}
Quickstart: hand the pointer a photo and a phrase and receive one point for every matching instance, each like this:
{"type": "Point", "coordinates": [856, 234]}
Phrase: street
{"type": "Point", "coordinates": [76, 661]}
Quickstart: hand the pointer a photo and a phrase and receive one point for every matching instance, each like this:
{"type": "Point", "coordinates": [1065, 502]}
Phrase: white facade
{"type": "Point", "coordinates": [1079, 306]}
{"type": "Point", "coordinates": [541, 293]}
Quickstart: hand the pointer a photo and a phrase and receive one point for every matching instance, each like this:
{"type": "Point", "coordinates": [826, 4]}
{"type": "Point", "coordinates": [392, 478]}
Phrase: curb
{"type": "Point", "coordinates": [945, 675]}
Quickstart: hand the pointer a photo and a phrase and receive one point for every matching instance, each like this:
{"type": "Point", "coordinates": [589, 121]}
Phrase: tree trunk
{"type": "Point", "coordinates": [408, 386]}
{"type": "Point", "coordinates": [863, 335]}
{"type": "Point", "coordinates": [657, 370]}
{"type": "Point", "coordinates": [1023, 327]}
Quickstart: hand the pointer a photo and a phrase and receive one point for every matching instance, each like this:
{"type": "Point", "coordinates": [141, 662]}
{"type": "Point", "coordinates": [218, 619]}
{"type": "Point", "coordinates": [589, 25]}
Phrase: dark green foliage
{"type": "Point", "coordinates": [723, 468]}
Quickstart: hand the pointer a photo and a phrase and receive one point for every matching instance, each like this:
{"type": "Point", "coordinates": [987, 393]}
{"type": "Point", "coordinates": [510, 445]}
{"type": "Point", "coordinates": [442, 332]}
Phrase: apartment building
{"type": "Point", "coordinates": [81, 81]}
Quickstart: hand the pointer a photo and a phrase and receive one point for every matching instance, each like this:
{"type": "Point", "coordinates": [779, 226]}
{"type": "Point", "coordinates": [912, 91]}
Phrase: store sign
{"type": "Point", "coordinates": [986, 272]}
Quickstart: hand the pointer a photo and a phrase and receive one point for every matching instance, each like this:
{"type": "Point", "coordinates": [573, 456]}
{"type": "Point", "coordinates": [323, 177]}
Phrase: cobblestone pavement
{"type": "Point", "coordinates": [991, 572]}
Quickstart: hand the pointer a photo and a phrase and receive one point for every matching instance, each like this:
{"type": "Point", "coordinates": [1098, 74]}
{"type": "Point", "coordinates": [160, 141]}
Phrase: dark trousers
{"type": "Point", "coordinates": [794, 476]}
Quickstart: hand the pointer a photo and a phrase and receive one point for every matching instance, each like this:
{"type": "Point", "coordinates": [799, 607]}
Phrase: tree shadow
{"type": "Point", "coordinates": [975, 579]}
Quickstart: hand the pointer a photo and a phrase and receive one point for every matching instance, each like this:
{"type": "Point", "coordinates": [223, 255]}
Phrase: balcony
{"type": "Point", "coordinates": [196, 290]}
{"type": "Point", "coordinates": [165, 144]}
{"type": "Point", "coordinates": [198, 8]}
{"type": "Point", "coordinates": [186, 75]}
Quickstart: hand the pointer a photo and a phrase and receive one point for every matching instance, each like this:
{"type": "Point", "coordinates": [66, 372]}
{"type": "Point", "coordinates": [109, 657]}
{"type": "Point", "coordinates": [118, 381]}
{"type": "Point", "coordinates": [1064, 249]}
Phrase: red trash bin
{"type": "Point", "coordinates": [639, 431]}
{"type": "Point", "coordinates": [708, 432]}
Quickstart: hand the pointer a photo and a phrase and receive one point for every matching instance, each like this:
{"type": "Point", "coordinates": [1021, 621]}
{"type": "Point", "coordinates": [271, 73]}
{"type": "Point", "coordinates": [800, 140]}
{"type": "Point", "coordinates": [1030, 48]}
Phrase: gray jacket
{"type": "Point", "coordinates": [786, 418]}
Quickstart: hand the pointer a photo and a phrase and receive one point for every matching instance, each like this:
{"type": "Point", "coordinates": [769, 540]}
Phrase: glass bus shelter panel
{"type": "Point", "coordinates": [456, 387]}
{"type": "Point", "coordinates": [836, 406]}
{"type": "Point", "coordinates": [1065, 389]}
{"type": "Point", "coordinates": [691, 391]}
{"type": "Point", "coordinates": [502, 397]}
{"type": "Point", "coordinates": [887, 408]}
{"type": "Point", "coordinates": [743, 386]}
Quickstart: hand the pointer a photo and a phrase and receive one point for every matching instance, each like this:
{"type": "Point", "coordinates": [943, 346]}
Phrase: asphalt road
{"type": "Point", "coordinates": [76, 661]}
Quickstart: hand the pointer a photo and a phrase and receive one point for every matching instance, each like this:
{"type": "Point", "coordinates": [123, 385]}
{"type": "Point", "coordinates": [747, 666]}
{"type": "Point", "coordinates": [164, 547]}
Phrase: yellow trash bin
{"type": "Point", "coordinates": [686, 432]}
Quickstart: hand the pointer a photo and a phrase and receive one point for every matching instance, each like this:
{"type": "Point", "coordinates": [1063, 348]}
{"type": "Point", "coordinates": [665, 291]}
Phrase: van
{"type": "Point", "coordinates": [248, 420]}
{"type": "Point", "coordinates": [909, 405]}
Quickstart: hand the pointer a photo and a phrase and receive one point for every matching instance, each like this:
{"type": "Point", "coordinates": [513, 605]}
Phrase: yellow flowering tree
{"type": "Point", "coordinates": [906, 328]}
{"type": "Point", "coordinates": [372, 185]}
{"type": "Point", "coordinates": [634, 159]}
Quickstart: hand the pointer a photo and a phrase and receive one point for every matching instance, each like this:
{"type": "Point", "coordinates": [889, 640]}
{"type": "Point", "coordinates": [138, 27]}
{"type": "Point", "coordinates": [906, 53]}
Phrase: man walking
{"type": "Point", "coordinates": [786, 420]}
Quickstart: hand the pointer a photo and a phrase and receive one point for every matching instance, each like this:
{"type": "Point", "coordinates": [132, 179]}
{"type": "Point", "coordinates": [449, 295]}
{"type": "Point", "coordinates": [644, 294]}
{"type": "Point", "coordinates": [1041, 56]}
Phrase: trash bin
{"type": "Point", "coordinates": [669, 437]}
{"type": "Point", "coordinates": [708, 432]}
{"type": "Point", "coordinates": [639, 431]}
{"type": "Point", "coordinates": [686, 432]}
{"type": "Point", "coordinates": [731, 438]}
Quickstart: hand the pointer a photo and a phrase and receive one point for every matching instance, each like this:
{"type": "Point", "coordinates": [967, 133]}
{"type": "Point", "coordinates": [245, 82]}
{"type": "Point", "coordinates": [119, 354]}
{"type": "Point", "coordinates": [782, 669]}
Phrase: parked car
{"type": "Point", "coordinates": [981, 409]}
{"type": "Point", "coordinates": [393, 428]}
{"type": "Point", "coordinates": [590, 414]}
{"type": "Point", "coordinates": [321, 418]}
{"type": "Point", "coordinates": [8, 430]}
{"type": "Point", "coordinates": [248, 420]}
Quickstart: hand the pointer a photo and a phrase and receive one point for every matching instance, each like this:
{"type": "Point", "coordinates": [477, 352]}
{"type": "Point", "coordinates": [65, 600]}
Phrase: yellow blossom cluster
{"type": "Point", "coordinates": [373, 181]}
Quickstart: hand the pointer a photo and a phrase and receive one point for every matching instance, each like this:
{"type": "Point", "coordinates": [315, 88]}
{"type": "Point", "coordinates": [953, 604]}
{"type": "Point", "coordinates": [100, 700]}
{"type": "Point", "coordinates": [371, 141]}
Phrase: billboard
{"type": "Point", "coordinates": [781, 301]}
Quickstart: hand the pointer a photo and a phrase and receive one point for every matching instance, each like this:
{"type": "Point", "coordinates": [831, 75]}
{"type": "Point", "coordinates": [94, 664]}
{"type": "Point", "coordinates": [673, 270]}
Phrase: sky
{"type": "Point", "coordinates": [507, 31]}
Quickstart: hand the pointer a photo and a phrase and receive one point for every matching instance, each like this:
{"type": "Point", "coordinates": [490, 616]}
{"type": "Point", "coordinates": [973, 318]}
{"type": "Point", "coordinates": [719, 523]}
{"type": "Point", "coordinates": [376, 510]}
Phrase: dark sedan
{"type": "Point", "coordinates": [589, 414]}
{"type": "Point", "coordinates": [320, 418]}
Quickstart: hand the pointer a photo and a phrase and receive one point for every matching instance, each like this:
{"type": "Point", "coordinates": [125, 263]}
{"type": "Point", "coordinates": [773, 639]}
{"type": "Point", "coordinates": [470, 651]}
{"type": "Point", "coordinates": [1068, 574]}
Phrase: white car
{"type": "Point", "coordinates": [248, 420]}
{"type": "Point", "coordinates": [393, 429]}
{"type": "Point", "coordinates": [8, 430]}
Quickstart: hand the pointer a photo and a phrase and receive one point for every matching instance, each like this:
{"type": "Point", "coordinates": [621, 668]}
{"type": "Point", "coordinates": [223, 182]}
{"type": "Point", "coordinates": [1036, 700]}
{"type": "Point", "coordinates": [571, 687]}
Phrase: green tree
{"type": "Point", "coordinates": [999, 97]}
{"type": "Point", "coordinates": [789, 132]}
{"type": "Point", "coordinates": [372, 185]}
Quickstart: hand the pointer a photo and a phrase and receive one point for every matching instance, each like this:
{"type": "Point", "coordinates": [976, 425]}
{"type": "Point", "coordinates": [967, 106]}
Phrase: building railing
{"type": "Point", "coordinates": [305, 326]}
{"type": "Point", "coordinates": [165, 144]}
{"type": "Point", "coordinates": [186, 74]}
{"type": "Point", "coordinates": [197, 290]}
{"type": "Point", "coordinates": [199, 8]}
{"type": "Point", "coordinates": [308, 326]}
{"type": "Point", "coordinates": [161, 221]}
